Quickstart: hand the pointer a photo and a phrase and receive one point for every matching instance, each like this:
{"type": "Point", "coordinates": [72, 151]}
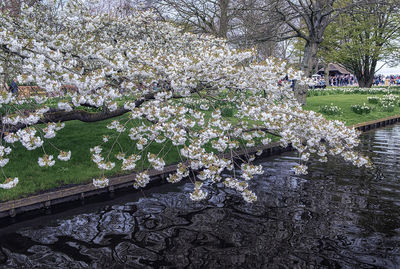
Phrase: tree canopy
{"type": "Point", "coordinates": [169, 82]}
{"type": "Point", "coordinates": [362, 37]}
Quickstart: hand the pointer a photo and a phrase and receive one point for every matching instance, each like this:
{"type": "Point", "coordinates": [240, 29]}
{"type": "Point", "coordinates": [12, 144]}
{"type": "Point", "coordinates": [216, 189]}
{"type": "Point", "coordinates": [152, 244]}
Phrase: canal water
{"type": "Point", "coordinates": [338, 216]}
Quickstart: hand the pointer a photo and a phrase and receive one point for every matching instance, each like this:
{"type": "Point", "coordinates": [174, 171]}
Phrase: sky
{"type": "Point", "coordinates": [388, 70]}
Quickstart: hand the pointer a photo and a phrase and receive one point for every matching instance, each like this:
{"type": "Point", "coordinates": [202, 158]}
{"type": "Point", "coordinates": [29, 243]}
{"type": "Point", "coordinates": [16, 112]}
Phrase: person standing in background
{"type": "Point", "coordinates": [14, 87]}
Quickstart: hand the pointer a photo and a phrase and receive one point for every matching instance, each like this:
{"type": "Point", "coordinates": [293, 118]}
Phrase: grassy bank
{"type": "Point", "coordinates": [78, 137]}
{"type": "Point", "coordinates": [345, 101]}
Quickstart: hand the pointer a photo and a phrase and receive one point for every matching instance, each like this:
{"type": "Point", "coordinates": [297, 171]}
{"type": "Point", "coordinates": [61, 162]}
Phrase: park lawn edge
{"type": "Point", "coordinates": [355, 121]}
{"type": "Point", "coordinates": [39, 200]}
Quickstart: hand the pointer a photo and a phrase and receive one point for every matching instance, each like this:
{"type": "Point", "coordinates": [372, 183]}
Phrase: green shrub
{"type": "Point", "coordinates": [373, 99]}
{"type": "Point", "coordinates": [361, 109]}
{"type": "Point", "coordinates": [390, 98]}
{"type": "Point", "coordinates": [330, 110]}
{"type": "Point", "coordinates": [387, 107]}
{"type": "Point", "coordinates": [388, 102]}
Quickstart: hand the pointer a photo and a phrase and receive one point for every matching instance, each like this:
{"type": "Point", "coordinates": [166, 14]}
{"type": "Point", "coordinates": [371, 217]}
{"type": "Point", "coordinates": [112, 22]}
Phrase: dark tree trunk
{"type": "Point", "coordinates": [366, 77]}
{"type": "Point", "coordinates": [326, 75]}
{"type": "Point", "coordinates": [365, 81]}
{"type": "Point", "coordinates": [14, 6]}
{"type": "Point", "coordinates": [310, 53]}
{"type": "Point", "coordinates": [223, 18]}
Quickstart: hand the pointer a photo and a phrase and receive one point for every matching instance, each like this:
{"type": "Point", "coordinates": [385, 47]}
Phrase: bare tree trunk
{"type": "Point", "coordinates": [366, 77]}
{"type": "Point", "coordinates": [326, 71]}
{"type": "Point", "coordinates": [310, 53]}
{"type": "Point", "coordinates": [223, 19]}
{"type": "Point", "coordinates": [365, 81]}
{"type": "Point", "coordinates": [13, 6]}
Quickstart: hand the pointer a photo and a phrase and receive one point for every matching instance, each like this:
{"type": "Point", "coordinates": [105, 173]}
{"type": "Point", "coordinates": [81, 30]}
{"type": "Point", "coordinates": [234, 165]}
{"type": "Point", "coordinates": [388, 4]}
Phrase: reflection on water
{"type": "Point", "coordinates": [338, 216]}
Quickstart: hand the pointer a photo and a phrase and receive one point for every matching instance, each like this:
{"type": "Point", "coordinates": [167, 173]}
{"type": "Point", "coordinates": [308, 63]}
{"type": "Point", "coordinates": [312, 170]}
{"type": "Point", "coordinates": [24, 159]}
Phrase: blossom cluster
{"type": "Point", "coordinates": [100, 182]}
{"type": "Point", "coordinates": [4, 151]}
{"type": "Point", "coordinates": [181, 173]}
{"type": "Point", "coordinates": [46, 160]}
{"type": "Point", "coordinates": [64, 155]}
{"type": "Point", "coordinates": [141, 180]}
{"type": "Point", "coordinates": [198, 194]}
{"type": "Point", "coordinates": [130, 162]}
{"type": "Point", "coordinates": [156, 162]}
{"type": "Point", "coordinates": [9, 183]}
{"type": "Point", "coordinates": [26, 137]}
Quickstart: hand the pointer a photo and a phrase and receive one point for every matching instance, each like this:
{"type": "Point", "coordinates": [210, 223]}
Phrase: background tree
{"type": "Point", "coordinates": [240, 21]}
{"type": "Point", "coordinates": [364, 36]}
{"type": "Point", "coordinates": [201, 16]}
{"type": "Point", "coordinates": [271, 26]}
{"type": "Point", "coordinates": [308, 20]}
{"type": "Point", "coordinates": [254, 20]}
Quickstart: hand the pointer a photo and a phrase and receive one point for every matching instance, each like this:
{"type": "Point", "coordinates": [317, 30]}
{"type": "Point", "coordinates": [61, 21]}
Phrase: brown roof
{"type": "Point", "coordinates": [335, 67]}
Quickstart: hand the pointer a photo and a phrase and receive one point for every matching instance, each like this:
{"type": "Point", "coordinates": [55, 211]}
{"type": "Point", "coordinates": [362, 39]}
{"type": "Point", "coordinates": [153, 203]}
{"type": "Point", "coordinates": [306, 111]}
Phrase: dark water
{"type": "Point", "coordinates": [338, 216]}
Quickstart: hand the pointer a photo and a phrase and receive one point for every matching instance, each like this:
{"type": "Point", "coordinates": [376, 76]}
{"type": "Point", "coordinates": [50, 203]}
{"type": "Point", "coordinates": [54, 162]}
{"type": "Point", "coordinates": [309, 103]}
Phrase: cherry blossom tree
{"type": "Point", "coordinates": [169, 81]}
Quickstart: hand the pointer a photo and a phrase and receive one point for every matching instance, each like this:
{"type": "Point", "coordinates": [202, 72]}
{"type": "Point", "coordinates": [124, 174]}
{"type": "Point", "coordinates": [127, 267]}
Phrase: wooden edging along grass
{"type": "Point", "coordinates": [370, 125]}
{"type": "Point", "coordinates": [80, 192]}
{"type": "Point", "coordinates": [46, 200]}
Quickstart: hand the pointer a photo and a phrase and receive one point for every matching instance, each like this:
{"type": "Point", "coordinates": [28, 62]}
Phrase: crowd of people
{"type": "Point", "coordinates": [391, 80]}
{"type": "Point", "coordinates": [351, 80]}
{"type": "Point", "coordinates": [337, 80]}
{"type": "Point", "coordinates": [342, 80]}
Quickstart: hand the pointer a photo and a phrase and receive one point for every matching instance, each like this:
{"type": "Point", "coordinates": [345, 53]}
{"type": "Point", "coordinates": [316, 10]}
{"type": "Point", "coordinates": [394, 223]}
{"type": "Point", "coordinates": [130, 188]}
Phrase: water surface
{"type": "Point", "coordinates": [338, 216]}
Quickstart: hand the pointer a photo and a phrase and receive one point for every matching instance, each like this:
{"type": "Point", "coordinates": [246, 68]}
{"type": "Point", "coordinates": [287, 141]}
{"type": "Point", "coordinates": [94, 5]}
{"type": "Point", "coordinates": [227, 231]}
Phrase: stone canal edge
{"type": "Point", "coordinates": [80, 192]}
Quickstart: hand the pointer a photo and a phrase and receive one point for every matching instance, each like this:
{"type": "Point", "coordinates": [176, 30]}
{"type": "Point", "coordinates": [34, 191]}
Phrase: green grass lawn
{"type": "Point", "coordinates": [78, 137]}
{"type": "Point", "coordinates": [345, 101]}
